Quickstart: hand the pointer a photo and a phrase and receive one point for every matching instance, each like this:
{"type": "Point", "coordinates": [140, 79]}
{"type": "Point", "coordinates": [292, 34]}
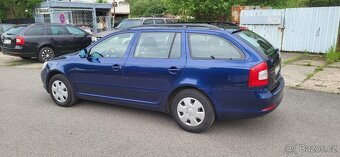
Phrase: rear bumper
{"type": "Point", "coordinates": [17, 51]}
{"type": "Point", "coordinates": [253, 103]}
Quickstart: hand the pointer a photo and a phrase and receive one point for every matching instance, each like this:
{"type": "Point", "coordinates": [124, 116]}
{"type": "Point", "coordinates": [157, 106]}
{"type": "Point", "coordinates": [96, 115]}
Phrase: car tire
{"type": "Point", "coordinates": [46, 54]}
{"type": "Point", "coordinates": [61, 91]}
{"type": "Point", "coordinates": [192, 110]}
{"type": "Point", "coordinates": [26, 58]}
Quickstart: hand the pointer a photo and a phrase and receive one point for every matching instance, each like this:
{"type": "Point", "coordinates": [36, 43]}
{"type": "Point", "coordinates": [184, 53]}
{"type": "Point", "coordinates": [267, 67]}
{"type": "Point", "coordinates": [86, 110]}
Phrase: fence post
{"type": "Point", "coordinates": [94, 20]}
{"type": "Point", "coordinates": [338, 41]}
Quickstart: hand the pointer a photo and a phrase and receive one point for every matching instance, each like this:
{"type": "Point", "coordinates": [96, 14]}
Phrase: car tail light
{"type": "Point", "coordinates": [19, 40]}
{"type": "Point", "coordinates": [258, 75]}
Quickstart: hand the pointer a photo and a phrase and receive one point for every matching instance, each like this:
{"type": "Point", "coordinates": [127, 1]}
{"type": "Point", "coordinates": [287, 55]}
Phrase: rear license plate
{"type": "Point", "coordinates": [6, 41]}
{"type": "Point", "coordinates": [277, 69]}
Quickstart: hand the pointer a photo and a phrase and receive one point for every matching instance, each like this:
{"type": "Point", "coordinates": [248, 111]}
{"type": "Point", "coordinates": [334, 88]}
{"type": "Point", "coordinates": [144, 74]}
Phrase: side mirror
{"type": "Point", "coordinates": [83, 53]}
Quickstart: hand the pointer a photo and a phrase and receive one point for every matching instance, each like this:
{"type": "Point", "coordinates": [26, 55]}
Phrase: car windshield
{"type": "Point", "coordinates": [257, 41]}
{"type": "Point", "coordinates": [129, 23]}
{"type": "Point", "coordinates": [15, 30]}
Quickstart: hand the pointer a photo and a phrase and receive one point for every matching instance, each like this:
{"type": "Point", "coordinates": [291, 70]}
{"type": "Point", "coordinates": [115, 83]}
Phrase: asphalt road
{"type": "Point", "coordinates": [32, 125]}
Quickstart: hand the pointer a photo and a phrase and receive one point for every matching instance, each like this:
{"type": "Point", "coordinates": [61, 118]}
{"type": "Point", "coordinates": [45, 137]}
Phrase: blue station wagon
{"type": "Point", "coordinates": [195, 72]}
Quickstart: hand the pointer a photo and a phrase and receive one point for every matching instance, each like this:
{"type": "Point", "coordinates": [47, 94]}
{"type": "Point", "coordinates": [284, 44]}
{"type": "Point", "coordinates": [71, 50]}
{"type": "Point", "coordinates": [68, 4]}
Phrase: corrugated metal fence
{"type": "Point", "coordinates": [296, 29]}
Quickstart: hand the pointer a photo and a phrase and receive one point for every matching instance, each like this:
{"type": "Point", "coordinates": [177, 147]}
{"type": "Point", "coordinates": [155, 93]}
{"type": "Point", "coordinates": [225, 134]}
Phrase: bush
{"type": "Point", "coordinates": [332, 55]}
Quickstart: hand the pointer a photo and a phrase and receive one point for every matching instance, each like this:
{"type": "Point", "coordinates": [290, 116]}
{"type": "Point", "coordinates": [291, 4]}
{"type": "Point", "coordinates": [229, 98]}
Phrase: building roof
{"type": "Point", "coordinates": [63, 4]}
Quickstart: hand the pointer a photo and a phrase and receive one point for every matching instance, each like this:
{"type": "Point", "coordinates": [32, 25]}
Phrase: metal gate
{"type": "Point", "coordinates": [311, 29]}
{"type": "Point", "coordinates": [267, 23]}
{"type": "Point", "coordinates": [78, 17]}
{"type": "Point", "coordinates": [300, 29]}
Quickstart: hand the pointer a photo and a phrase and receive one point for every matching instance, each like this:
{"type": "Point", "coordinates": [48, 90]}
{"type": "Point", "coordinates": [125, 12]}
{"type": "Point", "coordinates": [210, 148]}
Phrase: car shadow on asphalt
{"type": "Point", "coordinates": [249, 127]}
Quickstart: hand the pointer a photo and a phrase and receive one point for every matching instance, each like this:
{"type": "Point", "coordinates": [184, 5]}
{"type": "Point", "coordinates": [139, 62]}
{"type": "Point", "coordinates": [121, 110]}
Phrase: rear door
{"type": "Point", "coordinates": [33, 37]}
{"type": "Point", "coordinates": [80, 38]}
{"type": "Point", "coordinates": [267, 51]}
{"type": "Point", "coordinates": [154, 66]}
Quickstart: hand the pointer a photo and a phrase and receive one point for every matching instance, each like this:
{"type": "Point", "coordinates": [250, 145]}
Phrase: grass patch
{"type": "Point", "coordinates": [332, 55]}
{"type": "Point", "coordinates": [294, 59]}
{"type": "Point", "coordinates": [21, 62]}
{"type": "Point", "coordinates": [308, 64]}
{"type": "Point", "coordinates": [318, 69]}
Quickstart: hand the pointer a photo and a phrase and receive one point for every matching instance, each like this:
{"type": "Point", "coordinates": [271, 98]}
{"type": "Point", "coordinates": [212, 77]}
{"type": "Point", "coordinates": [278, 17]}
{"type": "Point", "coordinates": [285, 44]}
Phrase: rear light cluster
{"type": "Point", "coordinates": [19, 40]}
{"type": "Point", "coordinates": [258, 75]}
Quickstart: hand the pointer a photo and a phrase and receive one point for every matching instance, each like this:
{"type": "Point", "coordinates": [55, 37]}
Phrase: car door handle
{"type": "Point", "coordinates": [116, 67]}
{"type": "Point", "coordinates": [173, 70]}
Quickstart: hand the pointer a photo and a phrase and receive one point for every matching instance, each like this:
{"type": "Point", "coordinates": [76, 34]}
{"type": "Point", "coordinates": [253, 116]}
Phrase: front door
{"type": "Point", "coordinates": [155, 65]}
{"type": "Point", "coordinates": [60, 38]}
{"type": "Point", "coordinates": [100, 75]}
{"type": "Point", "coordinates": [80, 38]}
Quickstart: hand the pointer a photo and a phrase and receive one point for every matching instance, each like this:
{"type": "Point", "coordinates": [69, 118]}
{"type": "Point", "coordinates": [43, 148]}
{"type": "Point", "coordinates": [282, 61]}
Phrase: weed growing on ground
{"type": "Point", "coordinates": [332, 55]}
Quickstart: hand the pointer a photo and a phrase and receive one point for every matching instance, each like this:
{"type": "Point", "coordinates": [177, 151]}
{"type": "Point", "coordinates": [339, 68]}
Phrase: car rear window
{"type": "Point", "coordinates": [15, 30]}
{"type": "Point", "coordinates": [257, 42]}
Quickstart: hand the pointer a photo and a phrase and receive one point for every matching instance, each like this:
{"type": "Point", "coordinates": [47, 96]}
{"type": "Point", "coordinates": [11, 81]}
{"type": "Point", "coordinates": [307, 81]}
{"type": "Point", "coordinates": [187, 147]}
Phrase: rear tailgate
{"type": "Point", "coordinates": [8, 41]}
{"type": "Point", "coordinates": [274, 69]}
{"type": "Point", "coordinates": [267, 51]}
{"type": "Point", "coordinates": [8, 38]}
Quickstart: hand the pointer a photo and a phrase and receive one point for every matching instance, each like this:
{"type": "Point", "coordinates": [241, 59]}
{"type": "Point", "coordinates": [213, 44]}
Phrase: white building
{"type": "Point", "coordinates": [121, 10]}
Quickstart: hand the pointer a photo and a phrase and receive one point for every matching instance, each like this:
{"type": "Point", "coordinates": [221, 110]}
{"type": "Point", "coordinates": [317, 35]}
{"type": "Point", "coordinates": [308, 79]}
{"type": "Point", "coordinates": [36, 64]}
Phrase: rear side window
{"type": "Point", "coordinates": [159, 21]}
{"type": "Point", "coordinates": [148, 22]}
{"type": "Point", "coordinates": [57, 30]}
{"type": "Point", "coordinates": [35, 31]}
{"type": "Point", "coordinates": [160, 45]}
{"type": "Point", "coordinates": [204, 46]}
{"type": "Point", "coordinates": [75, 31]}
{"type": "Point", "coordinates": [15, 30]}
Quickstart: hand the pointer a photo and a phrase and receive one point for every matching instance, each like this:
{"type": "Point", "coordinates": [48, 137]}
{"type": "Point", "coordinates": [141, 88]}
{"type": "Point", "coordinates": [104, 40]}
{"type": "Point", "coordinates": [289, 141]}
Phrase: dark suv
{"type": "Point", "coordinates": [44, 41]}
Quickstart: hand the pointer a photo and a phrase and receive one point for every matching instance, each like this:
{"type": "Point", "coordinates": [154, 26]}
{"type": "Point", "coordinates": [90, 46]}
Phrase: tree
{"type": "Point", "coordinates": [322, 3]}
{"type": "Point", "coordinates": [140, 8]}
{"type": "Point", "coordinates": [101, 1]}
{"type": "Point", "coordinates": [16, 8]}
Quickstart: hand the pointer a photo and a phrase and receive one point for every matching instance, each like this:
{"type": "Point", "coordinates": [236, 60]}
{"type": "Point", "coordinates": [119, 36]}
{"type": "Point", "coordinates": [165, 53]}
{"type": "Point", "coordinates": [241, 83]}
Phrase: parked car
{"type": "Point", "coordinates": [134, 22]}
{"type": "Point", "coordinates": [3, 28]}
{"type": "Point", "coordinates": [195, 72]}
{"type": "Point", "coordinates": [44, 41]}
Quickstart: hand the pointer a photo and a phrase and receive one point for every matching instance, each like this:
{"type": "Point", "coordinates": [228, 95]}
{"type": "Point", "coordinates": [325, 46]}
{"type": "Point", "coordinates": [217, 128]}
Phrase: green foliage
{"type": "Point", "coordinates": [321, 3]}
{"type": "Point", "coordinates": [16, 8]}
{"type": "Point", "coordinates": [101, 1]}
{"type": "Point", "coordinates": [200, 10]}
{"type": "Point", "coordinates": [332, 55]}
{"type": "Point", "coordinates": [146, 8]}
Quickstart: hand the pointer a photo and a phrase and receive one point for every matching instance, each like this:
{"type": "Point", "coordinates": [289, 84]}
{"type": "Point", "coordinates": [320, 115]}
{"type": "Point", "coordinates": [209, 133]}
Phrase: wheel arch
{"type": "Point", "coordinates": [50, 75]}
{"type": "Point", "coordinates": [183, 87]}
{"type": "Point", "coordinates": [46, 45]}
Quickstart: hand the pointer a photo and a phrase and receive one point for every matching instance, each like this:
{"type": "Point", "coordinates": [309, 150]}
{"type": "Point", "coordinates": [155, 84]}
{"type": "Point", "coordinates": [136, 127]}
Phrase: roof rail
{"type": "Point", "coordinates": [224, 25]}
{"type": "Point", "coordinates": [184, 25]}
